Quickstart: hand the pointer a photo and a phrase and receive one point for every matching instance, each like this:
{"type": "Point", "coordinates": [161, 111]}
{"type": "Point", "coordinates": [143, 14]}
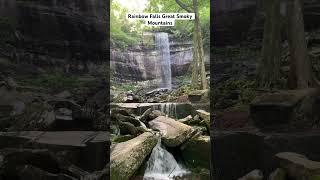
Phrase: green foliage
{"type": "Point", "coordinates": [124, 87]}
{"type": "Point", "coordinates": [241, 91]}
{"type": "Point", "coordinates": [184, 29]}
{"type": "Point", "coordinates": [126, 33]}
{"type": "Point", "coordinates": [123, 33]}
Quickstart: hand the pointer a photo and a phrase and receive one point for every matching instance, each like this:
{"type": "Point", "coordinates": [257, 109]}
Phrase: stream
{"type": "Point", "coordinates": [162, 165]}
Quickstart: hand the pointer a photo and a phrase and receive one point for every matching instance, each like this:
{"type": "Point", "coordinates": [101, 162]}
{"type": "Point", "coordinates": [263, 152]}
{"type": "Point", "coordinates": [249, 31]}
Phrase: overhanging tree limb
{"type": "Point", "coordinates": [183, 6]}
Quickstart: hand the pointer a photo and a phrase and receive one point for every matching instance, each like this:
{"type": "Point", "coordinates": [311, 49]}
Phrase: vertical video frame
{"type": "Point", "coordinates": [159, 86]}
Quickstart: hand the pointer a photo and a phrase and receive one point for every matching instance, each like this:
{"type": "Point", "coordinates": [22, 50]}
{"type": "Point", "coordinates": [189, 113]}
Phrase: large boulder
{"type": "Point", "coordinates": [299, 166]}
{"type": "Point", "coordinates": [253, 175]}
{"type": "Point", "coordinates": [196, 152]}
{"type": "Point", "coordinates": [127, 157]}
{"type": "Point", "coordinates": [292, 108]}
{"type": "Point", "coordinates": [251, 150]}
{"type": "Point", "coordinates": [173, 132]}
{"type": "Point", "coordinates": [199, 96]}
{"type": "Point", "coordinates": [278, 174]}
{"type": "Point", "coordinates": [205, 116]}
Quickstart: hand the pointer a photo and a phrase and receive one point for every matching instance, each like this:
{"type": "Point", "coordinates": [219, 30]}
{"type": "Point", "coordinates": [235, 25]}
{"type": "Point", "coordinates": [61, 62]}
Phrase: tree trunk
{"type": "Point", "coordinates": [198, 38]}
{"type": "Point", "coordinates": [198, 52]}
{"type": "Point", "coordinates": [195, 63]}
{"type": "Point", "coordinates": [300, 75]}
{"type": "Point", "coordinates": [269, 67]}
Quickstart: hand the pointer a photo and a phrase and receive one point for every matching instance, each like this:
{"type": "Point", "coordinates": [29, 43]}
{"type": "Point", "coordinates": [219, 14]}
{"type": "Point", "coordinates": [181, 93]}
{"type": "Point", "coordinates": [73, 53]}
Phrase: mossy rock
{"type": "Point", "coordinates": [196, 152]}
{"type": "Point", "coordinates": [127, 157]}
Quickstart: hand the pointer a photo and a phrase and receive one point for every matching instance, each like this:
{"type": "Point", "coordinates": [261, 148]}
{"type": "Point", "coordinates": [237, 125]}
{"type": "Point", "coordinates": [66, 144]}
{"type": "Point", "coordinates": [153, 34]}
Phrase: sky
{"type": "Point", "coordinates": [133, 5]}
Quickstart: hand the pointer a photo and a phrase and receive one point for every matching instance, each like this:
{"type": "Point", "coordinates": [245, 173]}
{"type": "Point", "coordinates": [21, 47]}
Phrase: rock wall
{"type": "Point", "coordinates": [236, 21]}
{"type": "Point", "coordinates": [141, 63]}
{"type": "Point", "coordinates": [70, 34]}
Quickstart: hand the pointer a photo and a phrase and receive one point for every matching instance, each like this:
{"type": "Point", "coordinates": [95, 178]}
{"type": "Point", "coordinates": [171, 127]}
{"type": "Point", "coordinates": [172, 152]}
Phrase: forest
{"type": "Point", "coordinates": [139, 73]}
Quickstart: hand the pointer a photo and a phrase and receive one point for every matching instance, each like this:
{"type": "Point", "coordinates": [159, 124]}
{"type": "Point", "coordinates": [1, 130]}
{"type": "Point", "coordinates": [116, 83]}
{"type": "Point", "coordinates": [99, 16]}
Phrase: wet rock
{"type": "Point", "coordinates": [154, 100]}
{"type": "Point", "coordinates": [131, 98]}
{"type": "Point", "coordinates": [128, 128]}
{"type": "Point", "coordinates": [293, 108]}
{"type": "Point", "coordinates": [202, 129]}
{"type": "Point", "coordinates": [278, 174]}
{"type": "Point", "coordinates": [156, 113]}
{"type": "Point", "coordinates": [205, 116]}
{"type": "Point", "coordinates": [127, 157]}
{"type": "Point", "coordinates": [122, 138]}
{"type": "Point", "coordinates": [145, 116]}
{"type": "Point", "coordinates": [196, 117]}
{"type": "Point", "coordinates": [173, 133]}
{"type": "Point", "coordinates": [129, 119]}
{"type": "Point", "coordinates": [298, 166]}
{"type": "Point", "coordinates": [123, 111]}
{"type": "Point", "coordinates": [196, 152]}
{"type": "Point", "coordinates": [186, 120]}
{"type": "Point", "coordinates": [253, 175]}
{"type": "Point", "coordinates": [199, 96]}
{"type": "Point", "coordinates": [157, 92]}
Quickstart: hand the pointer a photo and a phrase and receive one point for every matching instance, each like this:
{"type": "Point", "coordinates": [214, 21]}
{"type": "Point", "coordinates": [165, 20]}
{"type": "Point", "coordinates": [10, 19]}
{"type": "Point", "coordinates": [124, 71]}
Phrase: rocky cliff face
{"type": "Point", "coordinates": [69, 34]}
{"type": "Point", "coordinates": [236, 21]}
{"type": "Point", "coordinates": [141, 64]}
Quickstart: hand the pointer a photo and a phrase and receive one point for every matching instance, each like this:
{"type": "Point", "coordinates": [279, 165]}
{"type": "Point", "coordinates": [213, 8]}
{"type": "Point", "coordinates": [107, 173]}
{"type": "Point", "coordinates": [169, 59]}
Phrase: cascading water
{"type": "Point", "coordinates": [163, 47]}
{"type": "Point", "coordinates": [162, 165]}
{"type": "Point", "coordinates": [170, 109]}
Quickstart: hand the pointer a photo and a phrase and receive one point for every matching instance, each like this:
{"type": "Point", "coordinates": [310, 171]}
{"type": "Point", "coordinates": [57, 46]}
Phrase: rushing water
{"type": "Point", "coordinates": [170, 109]}
{"type": "Point", "coordinates": [163, 47]}
{"type": "Point", "coordinates": [162, 165]}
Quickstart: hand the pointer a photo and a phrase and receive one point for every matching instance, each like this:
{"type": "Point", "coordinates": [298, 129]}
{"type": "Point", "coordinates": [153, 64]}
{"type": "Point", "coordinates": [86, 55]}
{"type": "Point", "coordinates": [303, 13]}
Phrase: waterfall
{"type": "Point", "coordinates": [170, 109]}
{"type": "Point", "coordinates": [162, 165]}
{"type": "Point", "coordinates": [162, 45]}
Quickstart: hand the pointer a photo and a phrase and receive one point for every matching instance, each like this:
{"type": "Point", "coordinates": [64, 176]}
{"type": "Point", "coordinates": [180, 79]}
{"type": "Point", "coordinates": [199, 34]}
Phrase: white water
{"type": "Point", "coordinates": [163, 47]}
{"type": "Point", "coordinates": [170, 109]}
{"type": "Point", "coordinates": [162, 165]}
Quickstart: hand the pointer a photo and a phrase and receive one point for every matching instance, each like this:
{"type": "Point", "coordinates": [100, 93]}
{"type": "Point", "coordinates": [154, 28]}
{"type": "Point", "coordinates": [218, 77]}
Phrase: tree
{"type": "Point", "coordinates": [269, 67]}
{"type": "Point", "coordinates": [300, 75]}
{"type": "Point", "coordinates": [198, 64]}
{"type": "Point", "coordinates": [120, 35]}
